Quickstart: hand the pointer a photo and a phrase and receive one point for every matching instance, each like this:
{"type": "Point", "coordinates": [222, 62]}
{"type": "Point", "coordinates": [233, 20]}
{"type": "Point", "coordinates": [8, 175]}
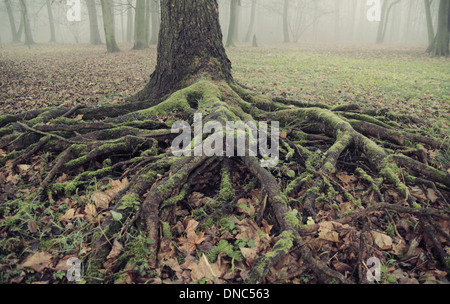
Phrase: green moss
{"type": "Point", "coordinates": [284, 244]}
{"type": "Point", "coordinates": [226, 193]}
{"type": "Point", "coordinates": [227, 248]}
{"type": "Point", "coordinates": [292, 218]}
{"type": "Point", "coordinates": [76, 162]}
{"type": "Point", "coordinates": [167, 230]}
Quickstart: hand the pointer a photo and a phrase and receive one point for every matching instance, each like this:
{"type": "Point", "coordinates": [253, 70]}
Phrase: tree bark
{"type": "Point", "coordinates": [139, 26]}
{"type": "Point", "coordinates": [430, 28]}
{"type": "Point", "coordinates": [108, 24]}
{"type": "Point", "coordinates": [14, 33]}
{"type": "Point", "coordinates": [147, 22]}
{"type": "Point", "coordinates": [286, 38]}
{"type": "Point", "coordinates": [26, 23]}
{"type": "Point", "coordinates": [190, 44]}
{"type": "Point", "coordinates": [93, 23]}
{"type": "Point", "coordinates": [51, 21]}
{"type": "Point", "coordinates": [440, 45]}
{"type": "Point", "coordinates": [155, 21]}
{"type": "Point", "coordinates": [129, 23]}
{"type": "Point", "coordinates": [252, 22]}
{"type": "Point", "coordinates": [231, 36]}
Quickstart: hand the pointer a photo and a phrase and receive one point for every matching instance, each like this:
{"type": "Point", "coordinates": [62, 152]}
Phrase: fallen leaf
{"type": "Point", "coordinates": [115, 250]}
{"type": "Point", "coordinates": [38, 261]}
{"type": "Point", "coordinates": [383, 241]}
{"type": "Point", "coordinates": [23, 167]}
{"type": "Point", "coordinates": [90, 210]}
{"type": "Point", "coordinates": [431, 194]}
{"type": "Point", "coordinates": [417, 193]}
{"type": "Point", "coordinates": [32, 227]}
{"type": "Point", "coordinates": [70, 214]}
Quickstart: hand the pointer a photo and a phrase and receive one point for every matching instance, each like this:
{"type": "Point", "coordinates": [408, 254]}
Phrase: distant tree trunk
{"type": "Point", "coordinates": [252, 22]}
{"type": "Point", "coordinates": [26, 23]}
{"type": "Point", "coordinates": [14, 33]}
{"type": "Point", "coordinates": [139, 26]}
{"type": "Point", "coordinates": [108, 24]}
{"type": "Point", "coordinates": [254, 42]}
{"type": "Point", "coordinates": [233, 23]}
{"type": "Point", "coordinates": [51, 21]}
{"type": "Point", "coordinates": [148, 13]}
{"type": "Point", "coordinates": [93, 23]}
{"type": "Point", "coordinates": [440, 45]}
{"type": "Point", "coordinates": [337, 10]}
{"type": "Point", "coordinates": [286, 38]}
{"type": "Point", "coordinates": [385, 12]}
{"type": "Point", "coordinates": [190, 44]}
{"type": "Point", "coordinates": [129, 23]}
{"type": "Point", "coordinates": [155, 21]}
{"type": "Point", "coordinates": [430, 28]}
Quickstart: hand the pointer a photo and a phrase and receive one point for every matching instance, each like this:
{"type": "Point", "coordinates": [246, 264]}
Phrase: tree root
{"type": "Point", "coordinates": [321, 142]}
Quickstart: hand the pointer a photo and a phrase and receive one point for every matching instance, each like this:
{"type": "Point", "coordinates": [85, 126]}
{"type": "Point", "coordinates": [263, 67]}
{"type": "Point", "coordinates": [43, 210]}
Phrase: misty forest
{"type": "Point", "coordinates": [92, 92]}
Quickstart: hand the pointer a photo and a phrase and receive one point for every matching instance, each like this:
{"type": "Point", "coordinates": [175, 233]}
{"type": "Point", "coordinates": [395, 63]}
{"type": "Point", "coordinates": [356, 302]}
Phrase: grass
{"type": "Point", "coordinates": [401, 80]}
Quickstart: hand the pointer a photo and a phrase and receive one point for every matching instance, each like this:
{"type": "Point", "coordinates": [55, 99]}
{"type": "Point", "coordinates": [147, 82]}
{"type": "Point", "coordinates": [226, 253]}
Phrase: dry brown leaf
{"type": "Point", "coordinates": [115, 250]}
{"type": "Point", "coordinates": [417, 193]}
{"type": "Point", "coordinates": [23, 167]}
{"type": "Point", "coordinates": [70, 214]}
{"type": "Point", "coordinates": [383, 241]}
{"type": "Point", "coordinates": [32, 227]}
{"type": "Point", "coordinates": [38, 261]}
{"type": "Point", "coordinates": [432, 195]}
{"type": "Point", "coordinates": [90, 211]}
{"type": "Point", "coordinates": [101, 200]}
{"type": "Point", "coordinates": [189, 244]}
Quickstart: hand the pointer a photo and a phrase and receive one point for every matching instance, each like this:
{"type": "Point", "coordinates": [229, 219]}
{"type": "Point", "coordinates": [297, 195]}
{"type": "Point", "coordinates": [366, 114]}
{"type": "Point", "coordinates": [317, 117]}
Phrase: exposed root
{"type": "Point", "coordinates": [321, 147]}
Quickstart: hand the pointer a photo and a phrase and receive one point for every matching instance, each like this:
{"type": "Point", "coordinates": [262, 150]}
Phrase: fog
{"type": "Point", "coordinates": [307, 21]}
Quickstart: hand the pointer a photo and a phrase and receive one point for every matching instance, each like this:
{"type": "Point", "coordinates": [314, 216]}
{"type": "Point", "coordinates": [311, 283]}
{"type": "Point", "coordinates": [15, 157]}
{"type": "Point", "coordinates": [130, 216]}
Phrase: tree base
{"type": "Point", "coordinates": [309, 201]}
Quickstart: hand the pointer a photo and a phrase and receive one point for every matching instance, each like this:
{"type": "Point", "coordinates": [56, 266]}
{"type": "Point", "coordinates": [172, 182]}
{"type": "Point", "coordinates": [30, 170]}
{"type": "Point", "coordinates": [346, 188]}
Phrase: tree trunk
{"type": "Point", "coordinates": [93, 23]}
{"type": "Point", "coordinates": [430, 28]}
{"type": "Point", "coordinates": [233, 23]}
{"type": "Point", "coordinates": [129, 23]}
{"type": "Point", "coordinates": [147, 22]}
{"type": "Point", "coordinates": [26, 23]}
{"type": "Point", "coordinates": [337, 10]}
{"type": "Point", "coordinates": [252, 22]}
{"type": "Point", "coordinates": [139, 26]}
{"type": "Point", "coordinates": [190, 44]}
{"type": "Point", "coordinates": [108, 24]}
{"type": "Point", "coordinates": [51, 21]}
{"type": "Point", "coordinates": [286, 38]}
{"type": "Point", "coordinates": [440, 44]}
{"type": "Point", "coordinates": [14, 33]}
{"type": "Point", "coordinates": [386, 10]}
{"type": "Point", "coordinates": [155, 21]}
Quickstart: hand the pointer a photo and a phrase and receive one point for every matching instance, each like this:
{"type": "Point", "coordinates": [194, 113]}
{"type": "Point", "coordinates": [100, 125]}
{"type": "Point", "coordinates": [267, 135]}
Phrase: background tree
{"type": "Point", "coordinates": [14, 33]}
{"type": "Point", "coordinates": [140, 25]}
{"type": "Point", "coordinates": [26, 23]}
{"type": "Point", "coordinates": [286, 38]}
{"type": "Point", "coordinates": [429, 18]}
{"type": "Point", "coordinates": [386, 9]}
{"type": "Point", "coordinates": [93, 23]}
{"type": "Point", "coordinates": [233, 24]}
{"type": "Point", "coordinates": [440, 44]}
{"type": "Point", "coordinates": [109, 27]}
{"type": "Point", "coordinates": [251, 25]}
{"type": "Point", "coordinates": [130, 21]}
{"type": "Point", "coordinates": [51, 21]}
{"type": "Point", "coordinates": [155, 21]}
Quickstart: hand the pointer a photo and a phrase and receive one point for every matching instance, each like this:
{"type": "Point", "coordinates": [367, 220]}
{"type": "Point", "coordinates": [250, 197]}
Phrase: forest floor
{"type": "Point", "coordinates": [404, 80]}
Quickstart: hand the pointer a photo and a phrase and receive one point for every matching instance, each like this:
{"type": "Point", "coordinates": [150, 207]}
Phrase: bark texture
{"type": "Point", "coordinates": [190, 42]}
